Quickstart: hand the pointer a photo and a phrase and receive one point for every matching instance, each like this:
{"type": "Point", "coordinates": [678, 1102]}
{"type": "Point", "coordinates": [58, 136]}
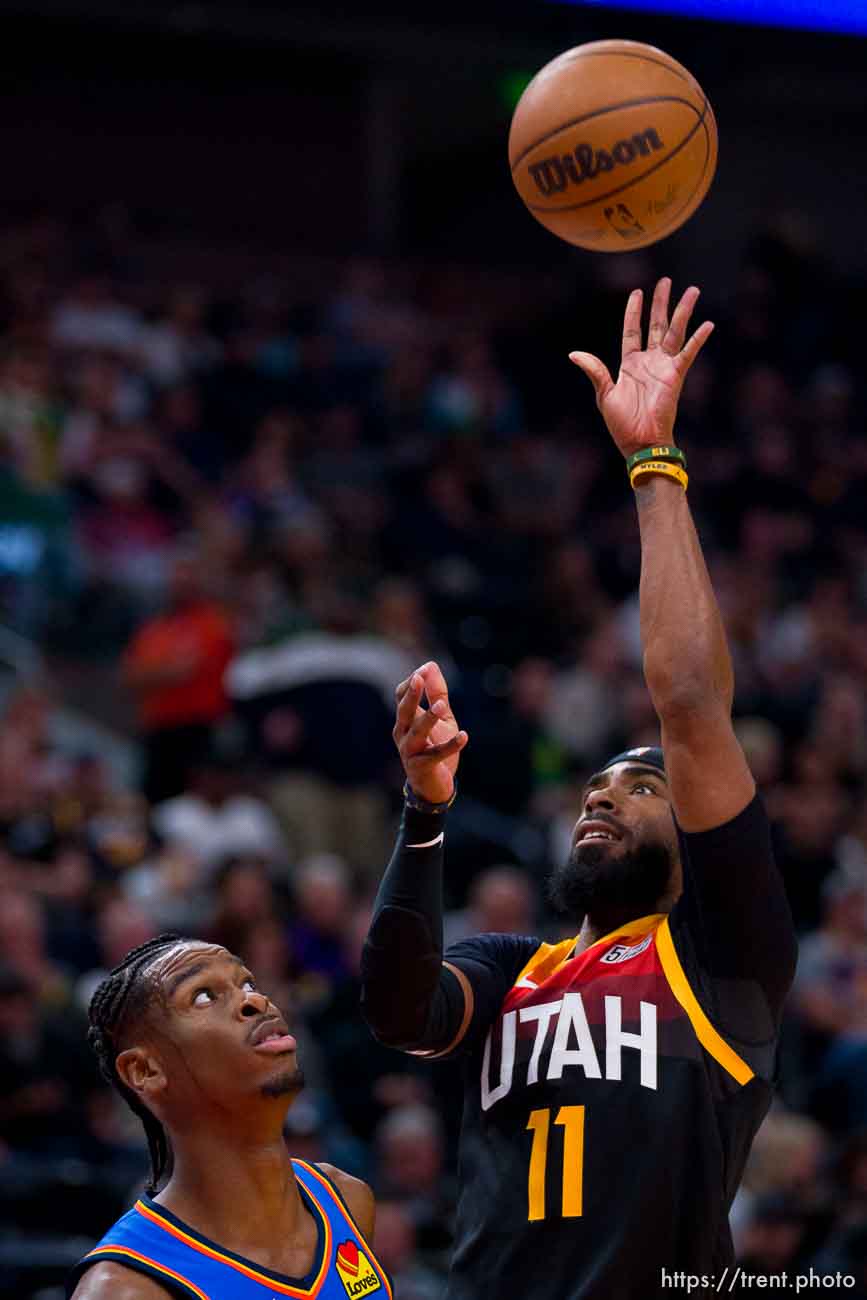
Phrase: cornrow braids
{"type": "Point", "coordinates": [123, 995]}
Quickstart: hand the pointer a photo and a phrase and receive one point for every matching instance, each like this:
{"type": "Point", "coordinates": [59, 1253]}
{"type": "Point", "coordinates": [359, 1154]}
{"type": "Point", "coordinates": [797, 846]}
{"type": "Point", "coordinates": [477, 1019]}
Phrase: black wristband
{"type": "Point", "coordinates": [418, 804]}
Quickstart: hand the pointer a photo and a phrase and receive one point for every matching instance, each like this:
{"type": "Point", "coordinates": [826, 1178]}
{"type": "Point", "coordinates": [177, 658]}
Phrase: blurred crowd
{"type": "Point", "coordinates": [243, 511]}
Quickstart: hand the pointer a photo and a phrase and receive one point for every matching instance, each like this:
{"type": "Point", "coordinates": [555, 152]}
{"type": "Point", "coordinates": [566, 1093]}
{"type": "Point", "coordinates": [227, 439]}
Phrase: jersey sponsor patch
{"type": "Point", "coordinates": [355, 1270]}
{"type": "Point", "coordinates": [621, 953]}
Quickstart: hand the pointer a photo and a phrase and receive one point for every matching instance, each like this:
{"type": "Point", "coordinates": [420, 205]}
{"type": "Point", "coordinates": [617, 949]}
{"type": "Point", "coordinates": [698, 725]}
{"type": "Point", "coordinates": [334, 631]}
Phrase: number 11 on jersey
{"type": "Point", "coordinates": [571, 1119]}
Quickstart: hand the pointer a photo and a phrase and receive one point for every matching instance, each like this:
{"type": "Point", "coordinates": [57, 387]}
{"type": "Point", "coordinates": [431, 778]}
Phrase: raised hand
{"type": "Point", "coordinates": [428, 740]}
{"type": "Point", "coordinates": [640, 408]}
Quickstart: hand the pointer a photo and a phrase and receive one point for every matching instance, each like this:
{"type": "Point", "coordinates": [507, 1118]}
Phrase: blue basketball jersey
{"type": "Point", "coordinates": [152, 1240]}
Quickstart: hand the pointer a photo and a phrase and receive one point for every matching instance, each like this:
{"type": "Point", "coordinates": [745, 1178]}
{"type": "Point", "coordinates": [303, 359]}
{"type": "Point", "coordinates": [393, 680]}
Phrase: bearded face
{"type": "Point", "coordinates": [610, 882]}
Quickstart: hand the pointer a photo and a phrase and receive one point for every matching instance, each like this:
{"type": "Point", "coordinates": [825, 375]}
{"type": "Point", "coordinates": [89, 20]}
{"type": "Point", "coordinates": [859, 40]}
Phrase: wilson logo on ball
{"type": "Point", "coordinates": [553, 175]}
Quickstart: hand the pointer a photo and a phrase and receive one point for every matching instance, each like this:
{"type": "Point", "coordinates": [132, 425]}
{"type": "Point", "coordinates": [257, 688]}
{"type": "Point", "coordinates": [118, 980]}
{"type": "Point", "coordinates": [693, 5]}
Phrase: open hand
{"type": "Point", "coordinates": [428, 740]}
{"type": "Point", "coordinates": [639, 409]}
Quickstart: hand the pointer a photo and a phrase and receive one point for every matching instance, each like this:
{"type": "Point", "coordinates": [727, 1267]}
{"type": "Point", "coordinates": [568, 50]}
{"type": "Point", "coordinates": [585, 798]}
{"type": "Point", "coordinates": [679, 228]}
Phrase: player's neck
{"type": "Point", "coordinates": [237, 1188]}
{"type": "Point", "coordinates": [595, 928]}
{"type": "Point", "coordinates": [591, 931]}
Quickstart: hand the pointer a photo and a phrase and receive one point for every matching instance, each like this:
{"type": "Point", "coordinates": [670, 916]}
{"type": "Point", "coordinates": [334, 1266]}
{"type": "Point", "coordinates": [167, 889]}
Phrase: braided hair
{"type": "Point", "coordinates": [119, 999]}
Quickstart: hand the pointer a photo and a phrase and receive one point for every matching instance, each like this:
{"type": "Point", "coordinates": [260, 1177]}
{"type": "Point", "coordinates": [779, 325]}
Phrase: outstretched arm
{"type": "Point", "coordinates": [687, 665]}
{"type": "Point", "coordinates": [409, 999]}
{"type": "Point", "coordinates": [733, 917]}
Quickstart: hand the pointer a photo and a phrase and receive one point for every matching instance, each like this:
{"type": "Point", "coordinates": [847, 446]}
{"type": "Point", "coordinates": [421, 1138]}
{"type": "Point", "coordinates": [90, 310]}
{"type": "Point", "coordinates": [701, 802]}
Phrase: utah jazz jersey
{"type": "Point", "coordinates": [608, 1113]}
{"type": "Point", "coordinates": [150, 1239]}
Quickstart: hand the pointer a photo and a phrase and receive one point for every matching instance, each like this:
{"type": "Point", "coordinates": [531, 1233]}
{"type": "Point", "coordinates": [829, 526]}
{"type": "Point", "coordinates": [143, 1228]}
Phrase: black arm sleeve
{"type": "Point", "coordinates": [407, 999]}
{"type": "Point", "coordinates": [732, 926]}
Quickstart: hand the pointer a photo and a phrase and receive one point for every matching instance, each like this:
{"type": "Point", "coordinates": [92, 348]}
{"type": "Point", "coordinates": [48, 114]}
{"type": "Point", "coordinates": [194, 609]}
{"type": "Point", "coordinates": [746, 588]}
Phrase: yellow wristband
{"type": "Point", "coordinates": [659, 467]}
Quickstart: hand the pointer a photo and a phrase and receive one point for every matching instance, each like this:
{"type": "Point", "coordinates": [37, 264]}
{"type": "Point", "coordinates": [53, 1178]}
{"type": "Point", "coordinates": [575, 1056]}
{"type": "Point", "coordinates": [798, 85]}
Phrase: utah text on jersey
{"type": "Point", "coordinates": [587, 1014]}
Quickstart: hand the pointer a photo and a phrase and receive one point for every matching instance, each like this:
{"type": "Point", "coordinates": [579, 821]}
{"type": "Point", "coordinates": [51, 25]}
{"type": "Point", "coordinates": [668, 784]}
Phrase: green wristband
{"type": "Point", "coordinates": [672, 454]}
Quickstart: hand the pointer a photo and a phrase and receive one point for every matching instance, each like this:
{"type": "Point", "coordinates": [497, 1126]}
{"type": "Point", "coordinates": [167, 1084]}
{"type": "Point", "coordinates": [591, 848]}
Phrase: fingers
{"type": "Point", "coordinates": [423, 724]}
{"type": "Point", "coordinates": [435, 685]}
{"type": "Point", "coordinates": [595, 371]}
{"type": "Point", "coordinates": [413, 723]}
{"type": "Point", "coordinates": [659, 313]}
{"type": "Point", "coordinates": [672, 342]}
{"type": "Point", "coordinates": [408, 695]}
{"type": "Point", "coordinates": [632, 324]}
{"type": "Point", "coordinates": [694, 346]}
{"type": "Point", "coordinates": [436, 753]}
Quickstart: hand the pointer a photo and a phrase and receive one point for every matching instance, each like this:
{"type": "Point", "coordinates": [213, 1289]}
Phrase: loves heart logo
{"type": "Point", "coordinates": [347, 1257]}
{"type": "Point", "coordinates": [355, 1270]}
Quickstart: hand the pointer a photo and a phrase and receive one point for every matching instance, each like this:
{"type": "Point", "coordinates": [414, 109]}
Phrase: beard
{"type": "Point", "coordinates": [610, 887]}
{"type": "Point", "coordinates": [285, 1083]}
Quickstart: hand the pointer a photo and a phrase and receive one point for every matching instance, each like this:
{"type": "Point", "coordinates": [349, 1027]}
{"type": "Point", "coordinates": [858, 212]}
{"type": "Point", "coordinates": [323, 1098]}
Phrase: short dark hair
{"type": "Point", "coordinates": [118, 1001]}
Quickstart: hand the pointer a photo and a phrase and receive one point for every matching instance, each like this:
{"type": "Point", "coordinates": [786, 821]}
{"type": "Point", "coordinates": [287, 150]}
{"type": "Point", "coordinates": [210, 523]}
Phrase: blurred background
{"type": "Point", "coordinates": [285, 410]}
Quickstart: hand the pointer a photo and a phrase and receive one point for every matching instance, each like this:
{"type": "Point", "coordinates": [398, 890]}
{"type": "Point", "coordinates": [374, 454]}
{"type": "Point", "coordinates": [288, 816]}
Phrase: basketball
{"type": "Point", "coordinates": [613, 145]}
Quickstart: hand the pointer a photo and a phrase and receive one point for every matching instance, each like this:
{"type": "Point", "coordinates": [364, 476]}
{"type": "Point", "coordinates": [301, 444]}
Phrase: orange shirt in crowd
{"type": "Point", "coordinates": [199, 640]}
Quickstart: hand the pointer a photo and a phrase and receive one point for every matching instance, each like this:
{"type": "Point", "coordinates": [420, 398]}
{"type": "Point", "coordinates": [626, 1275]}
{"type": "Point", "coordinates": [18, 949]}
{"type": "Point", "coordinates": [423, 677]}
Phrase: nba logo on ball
{"type": "Point", "coordinates": [613, 145]}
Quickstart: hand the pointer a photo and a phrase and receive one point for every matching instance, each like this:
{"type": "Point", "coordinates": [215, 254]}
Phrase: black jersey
{"type": "Point", "coordinates": [611, 1096]}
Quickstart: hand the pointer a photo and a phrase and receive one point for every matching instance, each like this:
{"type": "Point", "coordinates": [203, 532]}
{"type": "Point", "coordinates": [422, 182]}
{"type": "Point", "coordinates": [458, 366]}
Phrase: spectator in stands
{"type": "Point", "coordinates": [92, 317]}
{"type": "Point", "coordinates": [169, 885]}
{"type": "Point", "coordinates": [214, 818]}
{"type": "Point", "coordinates": [812, 810]}
{"type": "Point", "coordinates": [410, 1154]}
{"type": "Point", "coordinates": [773, 1239]}
{"type": "Point", "coordinates": [786, 1166]}
{"type": "Point", "coordinates": [295, 697]}
{"type": "Point", "coordinates": [104, 396]}
{"type": "Point", "coordinates": [38, 569]}
{"type": "Point", "coordinates": [177, 346]}
{"type": "Point", "coordinates": [396, 1247]}
{"type": "Point", "coordinates": [831, 997]}
{"type": "Point", "coordinates": [67, 886]}
{"type": "Point", "coordinates": [472, 395]}
{"type": "Point", "coordinates": [264, 494]}
{"type": "Point", "coordinates": [588, 716]}
{"type": "Point", "coordinates": [175, 666]}
{"type": "Point", "coordinates": [536, 757]}
{"type": "Point", "coordinates": [321, 923]}
{"type": "Point", "coordinates": [127, 538]}
{"type": "Point", "coordinates": [244, 898]}
{"type": "Point", "coordinates": [45, 1073]}
{"type": "Point", "coordinates": [23, 948]}
{"type": "Point", "coordinates": [501, 901]}
{"type": "Point", "coordinates": [31, 415]}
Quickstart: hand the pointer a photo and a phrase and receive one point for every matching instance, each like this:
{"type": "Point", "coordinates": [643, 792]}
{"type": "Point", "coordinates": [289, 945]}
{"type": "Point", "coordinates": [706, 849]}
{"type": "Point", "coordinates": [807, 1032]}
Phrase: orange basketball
{"type": "Point", "coordinates": [613, 145]}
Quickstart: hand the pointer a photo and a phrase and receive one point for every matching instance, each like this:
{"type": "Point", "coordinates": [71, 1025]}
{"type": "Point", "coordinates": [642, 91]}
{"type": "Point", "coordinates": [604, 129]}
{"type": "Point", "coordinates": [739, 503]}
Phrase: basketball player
{"type": "Point", "coordinates": [614, 1081]}
{"type": "Point", "coordinates": [207, 1063]}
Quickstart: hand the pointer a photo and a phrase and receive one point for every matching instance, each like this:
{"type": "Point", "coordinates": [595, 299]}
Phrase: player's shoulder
{"type": "Point", "coordinates": [356, 1193]}
{"type": "Point", "coordinates": [747, 830]}
{"type": "Point", "coordinates": [109, 1281]}
{"type": "Point", "coordinates": [506, 951]}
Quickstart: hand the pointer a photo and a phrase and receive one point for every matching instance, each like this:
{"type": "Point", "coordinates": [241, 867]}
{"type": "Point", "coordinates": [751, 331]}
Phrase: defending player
{"type": "Point", "coordinates": [614, 1081]}
{"type": "Point", "coordinates": [206, 1062]}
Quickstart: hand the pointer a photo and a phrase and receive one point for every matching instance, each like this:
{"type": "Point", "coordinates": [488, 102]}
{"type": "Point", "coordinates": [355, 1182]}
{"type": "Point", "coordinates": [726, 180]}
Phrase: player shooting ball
{"type": "Point", "coordinates": [614, 1081]}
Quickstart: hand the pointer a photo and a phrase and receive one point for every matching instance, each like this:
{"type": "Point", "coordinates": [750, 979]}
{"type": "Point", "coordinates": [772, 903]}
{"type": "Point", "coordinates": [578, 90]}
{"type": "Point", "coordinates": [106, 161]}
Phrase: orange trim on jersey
{"type": "Point", "coordinates": [283, 1287]}
{"type": "Point", "coordinates": [326, 1183]}
{"type": "Point", "coordinates": [712, 1042]}
{"type": "Point", "coordinates": [550, 957]}
{"type": "Point", "coordinates": [546, 959]}
{"type": "Point", "coordinates": [643, 925]}
{"type": "Point", "coordinates": [151, 1263]}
